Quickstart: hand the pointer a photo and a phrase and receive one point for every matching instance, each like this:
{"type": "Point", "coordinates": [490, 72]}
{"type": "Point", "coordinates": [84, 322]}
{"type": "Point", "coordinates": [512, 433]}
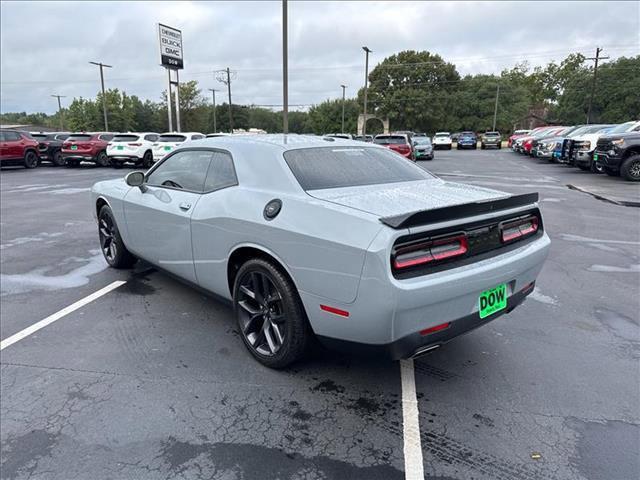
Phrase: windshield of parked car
{"type": "Point", "coordinates": [442, 134]}
{"type": "Point", "coordinates": [390, 140]}
{"type": "Point", "coordinates": [125, 138]}
{"type": "Point", "coordinates": [79, 137]}
{"type": "Point", "coordinates": [331, 167]}
{"type": "Point", "coordinates": [467, 134]}
{"type": "Point", "coordinates": [421, 140]}
{"type": "Point", "coordinates": [623, 127]}
{"type": "Point", "coordinates": [172, 138]}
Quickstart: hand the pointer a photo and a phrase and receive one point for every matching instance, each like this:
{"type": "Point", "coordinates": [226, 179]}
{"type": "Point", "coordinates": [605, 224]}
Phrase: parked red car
{"type": "Point", "coordinates": [18, 148]}
{"type": "Point", "coordinates": [86, 147]}
{"type": "Point", "coordinates": [398, 142]}
{"type": "Point", "coordinates": [517, 134]}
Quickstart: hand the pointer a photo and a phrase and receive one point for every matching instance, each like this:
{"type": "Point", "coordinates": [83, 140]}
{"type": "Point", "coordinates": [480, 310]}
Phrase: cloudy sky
{"type": "Point", "coordinates": [46, 46]}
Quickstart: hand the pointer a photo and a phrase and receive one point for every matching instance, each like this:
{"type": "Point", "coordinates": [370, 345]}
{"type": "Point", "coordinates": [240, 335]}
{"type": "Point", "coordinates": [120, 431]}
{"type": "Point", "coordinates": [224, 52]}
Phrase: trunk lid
{"type": "Point", "coordinates": [406, 197]}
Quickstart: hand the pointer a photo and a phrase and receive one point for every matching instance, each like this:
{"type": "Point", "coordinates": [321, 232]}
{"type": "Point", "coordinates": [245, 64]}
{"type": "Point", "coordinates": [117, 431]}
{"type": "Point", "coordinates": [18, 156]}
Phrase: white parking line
{"type": "Point", "coordinates": [413, 467]}
{"type": "Point", "coordinates": [59, 314]}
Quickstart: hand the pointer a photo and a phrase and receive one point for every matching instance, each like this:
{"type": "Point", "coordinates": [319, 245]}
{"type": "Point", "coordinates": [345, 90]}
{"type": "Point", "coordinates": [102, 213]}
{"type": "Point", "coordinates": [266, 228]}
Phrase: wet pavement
{"type": "Point", "coordinates": [152, 380]}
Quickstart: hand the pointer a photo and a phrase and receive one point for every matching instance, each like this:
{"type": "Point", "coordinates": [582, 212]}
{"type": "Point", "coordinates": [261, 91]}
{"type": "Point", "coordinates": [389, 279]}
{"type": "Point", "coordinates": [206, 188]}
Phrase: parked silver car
{"type": "Point", "coordinates": [310, 236]}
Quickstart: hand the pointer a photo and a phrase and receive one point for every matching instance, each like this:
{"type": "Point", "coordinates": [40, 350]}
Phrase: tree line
{"type": "Point", "coordinates": [416, 90]}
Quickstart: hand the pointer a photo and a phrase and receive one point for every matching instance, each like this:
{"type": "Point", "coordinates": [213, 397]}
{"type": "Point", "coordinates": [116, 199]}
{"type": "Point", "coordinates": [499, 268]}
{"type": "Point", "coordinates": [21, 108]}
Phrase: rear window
{"type": "Point", "coordinates": [327, 167]}
{"type": "Point", "coordinates": [390, 140]}
{"type": "Point", "coordinates": [492, 134]}
{"type": "Point", "coordinates": [39, 136]}
{"type": "Point", "coordinates": [172, 138]}
{"type": "Point", "coordinates": [126, 138]}
{"type": "Point", "coordinates": [442, 134]}
{"type": "Point", "coordinates": [61, 136]}
{"type": "Point", "coordinates": [79, 137]}
{"type": "Point", "coordinates": [197, 137]}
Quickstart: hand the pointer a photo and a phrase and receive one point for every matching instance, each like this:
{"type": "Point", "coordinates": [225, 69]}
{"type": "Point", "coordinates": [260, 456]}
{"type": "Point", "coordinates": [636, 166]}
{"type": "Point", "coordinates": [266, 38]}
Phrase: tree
{"type": "Point", "coordinates": [326, 117]}
{"type": "Point", "coordinates": [414, 89]}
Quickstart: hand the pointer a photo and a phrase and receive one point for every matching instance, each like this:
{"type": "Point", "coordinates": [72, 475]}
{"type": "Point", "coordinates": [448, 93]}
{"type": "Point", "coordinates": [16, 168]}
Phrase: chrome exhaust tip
{"type": "Point", "coordinates": [425, 350]}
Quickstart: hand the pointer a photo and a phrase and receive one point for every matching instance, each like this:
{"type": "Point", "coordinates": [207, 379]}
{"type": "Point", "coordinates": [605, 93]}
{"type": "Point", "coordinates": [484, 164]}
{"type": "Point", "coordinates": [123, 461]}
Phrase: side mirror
{"type": "Point", "coordinates": [135, 179]}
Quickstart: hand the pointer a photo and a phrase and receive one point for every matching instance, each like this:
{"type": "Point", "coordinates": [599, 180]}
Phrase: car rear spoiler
{"type": "Point", "coordinates": [425, 217]}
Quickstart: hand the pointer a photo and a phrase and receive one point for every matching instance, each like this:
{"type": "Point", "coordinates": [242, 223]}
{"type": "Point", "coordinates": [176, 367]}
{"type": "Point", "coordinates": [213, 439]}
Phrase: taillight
{"type": "Point", "coordinates": [432, 251]}
{"type": "Point", "coordinates": [518, 229]}
{"type": "Point", "coordinates": [66, 145]}
{"type": "Point", "coordinates": [135, 144]}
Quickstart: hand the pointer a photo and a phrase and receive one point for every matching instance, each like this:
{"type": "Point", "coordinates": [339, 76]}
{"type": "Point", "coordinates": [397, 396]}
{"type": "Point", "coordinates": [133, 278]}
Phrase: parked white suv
{"type": "Point", "coordinates": [167, 142]}
{"type": "Point", "coordinates": [132, 147]}
{"type": "Point", "coordinates": [442, 140]}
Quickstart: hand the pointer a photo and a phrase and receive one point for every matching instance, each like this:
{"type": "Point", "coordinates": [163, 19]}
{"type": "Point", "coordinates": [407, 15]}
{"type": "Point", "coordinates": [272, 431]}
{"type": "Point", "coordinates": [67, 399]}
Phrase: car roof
{"type": "Point", "coordinates": [277, 141]}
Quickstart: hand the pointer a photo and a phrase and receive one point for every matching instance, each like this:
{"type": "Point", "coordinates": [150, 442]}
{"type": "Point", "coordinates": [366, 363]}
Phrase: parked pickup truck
{"type": "Point", "coordinates": [619, 154]}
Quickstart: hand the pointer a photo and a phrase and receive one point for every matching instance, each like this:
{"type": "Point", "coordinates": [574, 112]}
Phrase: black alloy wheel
{"type": "Point", "coordinates": [147, 159]}
{"type": "Point", "coordinates": [630, 169]}
{"type": "Point", "coordinates": [269, 314]}
{"type": "Point", "coordinates": [113, 249]}
{"type": "Point", "coordinates": [58, 160]}
{"type": "Point", "coordinates": [102, 159]}
{"type": "Point", "coordinates": [31, 159]}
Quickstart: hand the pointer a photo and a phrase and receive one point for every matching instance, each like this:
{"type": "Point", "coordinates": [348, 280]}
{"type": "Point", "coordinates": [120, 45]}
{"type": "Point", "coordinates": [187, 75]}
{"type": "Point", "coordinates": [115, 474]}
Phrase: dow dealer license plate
{"type": "Point", "coordinates": [493, 300]}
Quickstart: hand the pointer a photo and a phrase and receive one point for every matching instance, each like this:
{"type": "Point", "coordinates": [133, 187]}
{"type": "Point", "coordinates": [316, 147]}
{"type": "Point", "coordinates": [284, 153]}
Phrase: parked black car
{"type": "Point", "coordinates": [49, 146]}
{"type": "Point", "coordinates": [619, 154]}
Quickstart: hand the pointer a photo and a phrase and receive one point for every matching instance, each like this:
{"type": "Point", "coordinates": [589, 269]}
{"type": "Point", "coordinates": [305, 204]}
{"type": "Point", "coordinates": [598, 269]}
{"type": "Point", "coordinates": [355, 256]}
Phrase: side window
{"type": "Point", "coordinates": [3, 138]}
{"type": "Point", "coordinates": [221, 172]}
{"type": "Point", "coordinates": [185, 170]}
{"type": "Point", "coordinates": [151, 138]}
{"type": "Point", "coordinates": [11, 136]}
{"type": "Point", "coordinates": [106, 138]}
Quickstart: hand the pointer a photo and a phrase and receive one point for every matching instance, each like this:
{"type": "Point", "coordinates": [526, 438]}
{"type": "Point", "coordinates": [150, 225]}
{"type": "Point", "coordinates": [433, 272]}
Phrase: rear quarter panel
{"type": "Point", "coordinates": [321, 246]}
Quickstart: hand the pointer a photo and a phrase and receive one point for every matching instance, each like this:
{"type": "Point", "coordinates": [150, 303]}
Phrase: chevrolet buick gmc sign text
{"type": "Point", "coordinates": [170, 47]}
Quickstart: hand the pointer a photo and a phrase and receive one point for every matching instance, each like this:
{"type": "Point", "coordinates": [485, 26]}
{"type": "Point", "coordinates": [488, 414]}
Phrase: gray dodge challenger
{"type": "Point", "coordinates": [328, 239]}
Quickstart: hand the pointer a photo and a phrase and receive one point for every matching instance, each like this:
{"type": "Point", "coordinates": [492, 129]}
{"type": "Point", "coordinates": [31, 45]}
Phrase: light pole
{"type": "Point", "coordinates": [104, 100]}
{"type": "Point", "coordinates": [495, 110]}
{"type": "Point", "coordinates": [213, 94]}
{"type": "Point", "coordinates": [343, 88]}
{"type": "Point", "coordinates": [60, 110]}
{"type": "Point", "coordinates": [285, 71]}
{"type": "Point", "coordinates": [366, 83]}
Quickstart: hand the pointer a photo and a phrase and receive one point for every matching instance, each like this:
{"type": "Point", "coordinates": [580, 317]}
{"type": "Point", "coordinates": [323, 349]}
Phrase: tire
{"type": "Point", "coordinates": [630, 168]}
{"type": "Point", "coordinates": [287, 337]}
{"type": "Point", "coordinates": [147, 159]}
{"type": "Point", "coordinates": [584, 168]}
{"type": "Point", "coordinates": [499, 146]}
{"type": "Point", "coordinates": [482, 147]}
{"type": "Point", "coordinates": [611, 172]}
{"type": "Point", "coordinates": [596, 168]}
{"type": "Point", "coordinates": [449, 147]}
{"type": "Point", "coordinates": [58, 160]}
{"type": "Point", "coordinates": [111, 244]}
{"type": "Point", "coordinates": [116, 164]}
{"type": "Point", "coordinates": [102, 160]}
{"type": "Point", "coordinates": [31, 159]}
{"type": "Point", "coordinates": [458, 147]}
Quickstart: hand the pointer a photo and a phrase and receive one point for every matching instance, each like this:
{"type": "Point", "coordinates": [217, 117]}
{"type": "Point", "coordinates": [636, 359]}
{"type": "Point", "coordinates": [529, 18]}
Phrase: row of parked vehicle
{"type": "Point", "coordinates": [601, 148]}
{"type": "Point", "coordinates": [102, 148]}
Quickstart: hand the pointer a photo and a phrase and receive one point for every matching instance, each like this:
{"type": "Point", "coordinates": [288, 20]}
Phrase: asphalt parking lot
{"type": "Point", "coordinates": [152, 381]}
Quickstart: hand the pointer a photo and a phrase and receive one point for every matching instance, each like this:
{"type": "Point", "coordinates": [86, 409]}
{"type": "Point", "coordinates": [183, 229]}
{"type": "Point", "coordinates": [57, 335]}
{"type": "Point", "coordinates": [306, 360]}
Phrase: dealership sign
{"type": "Point", "coordinates": [170, 47]}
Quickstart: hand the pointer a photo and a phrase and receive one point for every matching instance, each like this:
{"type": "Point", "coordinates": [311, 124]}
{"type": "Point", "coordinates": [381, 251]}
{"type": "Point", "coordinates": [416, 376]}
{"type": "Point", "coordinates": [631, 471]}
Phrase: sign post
{"type": "Point", "coordinates": [171, 58]}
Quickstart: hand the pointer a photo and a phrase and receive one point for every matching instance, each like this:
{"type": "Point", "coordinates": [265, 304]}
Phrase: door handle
{"type": "Point", "coordinates": [184, 206]}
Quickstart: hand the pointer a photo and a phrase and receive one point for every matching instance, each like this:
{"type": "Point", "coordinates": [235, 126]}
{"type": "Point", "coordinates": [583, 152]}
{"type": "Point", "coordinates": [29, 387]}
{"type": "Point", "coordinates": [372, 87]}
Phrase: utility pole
{"type": "Point", "coordinates": [343, 88]}
{"type": "Point", "coordinates": [104, 100]}
{"type": "Point", "coordinates": [285, 71]}
{"type": "Point", "coordinates": [213, 94]}
{"type": "Point", "coordinates": [593, 84]}
{"type": "Point", "coordinates": [224, 76]}
{"type": "Point", "coordinates": [366, 83]}
{"type": "Point", "coordinates": [60, 110]}
{"type": "Point", "coordinates": [495, 110]}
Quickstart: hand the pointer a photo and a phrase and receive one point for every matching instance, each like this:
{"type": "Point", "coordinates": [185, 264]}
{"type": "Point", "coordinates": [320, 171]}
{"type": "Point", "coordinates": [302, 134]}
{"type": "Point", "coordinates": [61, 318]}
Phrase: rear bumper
{"type": "Point", "coordinates": [124, 158]}
{"type": "Point", "coordinates": [414, 344]}
{"type": "Point", "coordinates": [421, 154]}
{"type": "Point", "coordinates": [389, 313]}
{"type": "Point", "coordinates": [86, 157]}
